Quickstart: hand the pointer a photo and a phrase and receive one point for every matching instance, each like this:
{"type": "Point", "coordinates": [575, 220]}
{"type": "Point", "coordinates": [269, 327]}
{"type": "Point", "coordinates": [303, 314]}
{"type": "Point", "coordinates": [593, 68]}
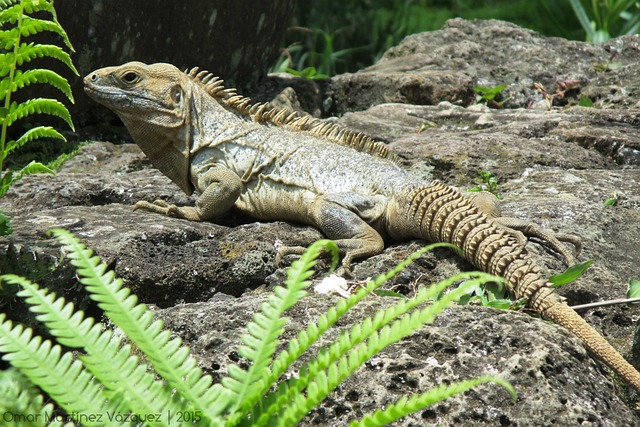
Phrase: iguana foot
{"type": "Point", "coordinates": [551, 239]}
{"type": "Point", "coordinates": [521, 229]}
{"type": "Point", "coordinates": [164, 208]}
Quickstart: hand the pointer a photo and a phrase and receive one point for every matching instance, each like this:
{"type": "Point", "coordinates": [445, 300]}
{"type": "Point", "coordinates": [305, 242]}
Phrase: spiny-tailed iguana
{"type": "Point", "coordinates": [273, 164]}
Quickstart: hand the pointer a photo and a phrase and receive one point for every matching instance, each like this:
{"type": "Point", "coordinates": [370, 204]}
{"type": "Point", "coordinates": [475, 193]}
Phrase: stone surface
{"type": "Point", "coordinates": [446, 65]}
{"type": "Point", "coordinates": [555, 167]}
{"type": "Point", "coordinates": [555, 378]}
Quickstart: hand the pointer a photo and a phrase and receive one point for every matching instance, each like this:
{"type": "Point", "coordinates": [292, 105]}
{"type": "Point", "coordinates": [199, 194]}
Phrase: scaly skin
{"type": "Point", "coordinates": [277, 165]}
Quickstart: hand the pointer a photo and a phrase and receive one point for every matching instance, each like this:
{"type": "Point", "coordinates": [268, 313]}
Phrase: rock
{"type": "Point", "coordinates": [445, 65]}
{"type": "Point", "coordinates": [555, 378]}
{"type": "Point", "coordinates": [555, 167]}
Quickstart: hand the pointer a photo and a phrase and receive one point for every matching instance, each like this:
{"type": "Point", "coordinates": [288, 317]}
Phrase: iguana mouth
{"type": "Point", "coordinates": [117, 98]}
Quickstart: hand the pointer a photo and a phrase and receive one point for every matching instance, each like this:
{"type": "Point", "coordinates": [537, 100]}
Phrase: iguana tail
{"type": "Point", "coordinates": [442, 214]}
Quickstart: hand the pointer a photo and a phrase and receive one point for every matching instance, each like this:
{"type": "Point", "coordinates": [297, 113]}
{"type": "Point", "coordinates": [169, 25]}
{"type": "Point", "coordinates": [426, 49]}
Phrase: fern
{"type": "Point", "coordinates": [408, 405]}
{"type": "Point", "coordinates": [167, 356]}
{"type": "Point", "coordinates": [110, 362]}
{"type": "Point", "coordinates": [351, 350]}
{"type": "Point", "coordinates": [16, 24]}
{"type": "Point", "coordinates": [21, 404]}
{"type": "Point", "coordinates": [109, 381]}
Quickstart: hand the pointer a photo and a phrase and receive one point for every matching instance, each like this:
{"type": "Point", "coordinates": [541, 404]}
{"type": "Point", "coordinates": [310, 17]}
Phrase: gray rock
{"type": "Point", "coordinates": [554, 167]}
{"type": "Point", "coordinates": [558, 383]}
{"type": "Point", "coordinates": [445, 65]}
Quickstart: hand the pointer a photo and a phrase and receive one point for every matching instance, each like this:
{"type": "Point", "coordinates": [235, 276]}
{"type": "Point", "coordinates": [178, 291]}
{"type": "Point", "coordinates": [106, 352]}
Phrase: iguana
{"type": "Point", "coordinates": [274, 164]}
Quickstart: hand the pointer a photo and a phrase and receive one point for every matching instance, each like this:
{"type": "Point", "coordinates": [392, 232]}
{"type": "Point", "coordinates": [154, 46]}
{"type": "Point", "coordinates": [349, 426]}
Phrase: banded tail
{"type": "Point", "coordinates": [442, 214]}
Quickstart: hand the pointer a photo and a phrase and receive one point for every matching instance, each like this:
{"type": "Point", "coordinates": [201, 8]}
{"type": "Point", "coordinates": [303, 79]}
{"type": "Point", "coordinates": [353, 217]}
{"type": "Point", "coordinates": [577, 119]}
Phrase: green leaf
{"type": "Point", "coordinates": [585, 101]}
{"type": "Point", "coordinates": [33, 167]}
{"type": "Point", "coordinates": [408, 404]}
{"type": "Point", "coordinates": [634, 289]}
{"type": "Point", "coordinates": [613, 200]}
{"type": "Point", "coordinates": [38, 106]}
{"type": "Point", "coordinates": [489, 93]}
{"type": "Point", "coordinates": [570, 274]}
{"type": "Point", "coordinates": [5, 181]}
{"type": "Point", "coordinates": [385, 293]}
{"type": "Point", "coordinates": [31, 51]}
{"type": "Point", "coordinates": [502, 304]}
{"type": "Point", "coordinates": [5, 226]}
{"type": "Point", "coordinates": [33, 134]}
{"type": "Point", "coordinates": [22, 79]}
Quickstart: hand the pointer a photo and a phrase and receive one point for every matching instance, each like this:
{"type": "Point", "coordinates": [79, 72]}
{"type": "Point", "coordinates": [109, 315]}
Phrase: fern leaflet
{"type": "Point", "coordinates": [27, 52]}
{"type": "Point", "coordinates": [22, 79]}
{"type": "Point", "coordinates": [40, 106]}
{"type": "Point", "coordinates": [267, 326]}
{"type": "Point", "coordinates": [64, 379]}
{"type": "Point", "coordinates": [31, 135]}
{"type": "Point", "coordinates": [112, 365]}
{"type": "Point", "coordinates": [167, 356]}
{"type": "Point", "coordinates": [332, 366]}
{"type": "Point", "coordinates": [407, 405]}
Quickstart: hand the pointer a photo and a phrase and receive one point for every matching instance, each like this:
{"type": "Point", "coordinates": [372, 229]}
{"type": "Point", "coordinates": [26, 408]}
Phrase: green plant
{"type": "Point", "coordinates": [108, 385]}
{"type": "Point", "coordinates": [16, 24]}
{"type": "Point", "coordinates": [613, 200]}
{"type": "Point", "coordinates": [308, 73]}
{"type": "Point", "coordinates": [494, 295]}
{"type": "Point", "coordinates": [603, 19]}
{"type": "Point", "coordinates": [487, 95]}
{"type": "Point", "coordinates": [486, 182]}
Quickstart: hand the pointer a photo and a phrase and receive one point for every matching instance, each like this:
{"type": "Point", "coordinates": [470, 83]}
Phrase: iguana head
{"type": "Point", "coordinates": [153, 102]}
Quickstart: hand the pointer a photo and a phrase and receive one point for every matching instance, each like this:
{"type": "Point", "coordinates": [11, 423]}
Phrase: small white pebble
{"type": "Point", "coordinates": [333, 284]}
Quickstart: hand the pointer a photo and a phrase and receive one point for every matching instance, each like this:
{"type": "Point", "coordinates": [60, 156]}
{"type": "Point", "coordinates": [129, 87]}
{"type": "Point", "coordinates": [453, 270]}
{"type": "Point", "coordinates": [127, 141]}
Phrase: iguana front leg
{"type": "Point", "coordinates": [354, 237]}
{"type": "Point", "coordinates": [489, 204]}
{"type": "Point", "coordinates": [222, 188]}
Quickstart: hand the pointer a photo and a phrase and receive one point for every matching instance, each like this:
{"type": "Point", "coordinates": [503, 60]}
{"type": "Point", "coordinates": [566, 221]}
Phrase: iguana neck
{"type": "Point", "coordinates": [166, 148]}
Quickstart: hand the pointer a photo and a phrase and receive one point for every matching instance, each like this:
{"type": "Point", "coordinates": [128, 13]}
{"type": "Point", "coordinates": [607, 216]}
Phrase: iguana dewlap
{"type": "Point", "coordinates": [279, 165]}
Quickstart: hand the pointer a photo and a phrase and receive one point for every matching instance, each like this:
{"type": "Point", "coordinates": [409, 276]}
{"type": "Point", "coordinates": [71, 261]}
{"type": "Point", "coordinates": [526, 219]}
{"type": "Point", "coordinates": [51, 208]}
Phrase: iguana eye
{"type": "Point", "coordinates": [130, 77]}
{"type": "Point", "coordinates": [176, 94]}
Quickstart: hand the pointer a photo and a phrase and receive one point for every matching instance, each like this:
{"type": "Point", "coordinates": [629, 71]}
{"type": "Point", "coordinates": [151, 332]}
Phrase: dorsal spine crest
{"type": "Point", "coordinates": [263, 114]}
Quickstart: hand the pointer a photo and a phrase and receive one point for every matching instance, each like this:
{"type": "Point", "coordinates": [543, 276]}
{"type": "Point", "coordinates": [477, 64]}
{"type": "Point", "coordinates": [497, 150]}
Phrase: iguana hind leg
{"type": "Point", "coordinates": [489, 204]}
{"type": "Point", "coordinates": [354, 237]}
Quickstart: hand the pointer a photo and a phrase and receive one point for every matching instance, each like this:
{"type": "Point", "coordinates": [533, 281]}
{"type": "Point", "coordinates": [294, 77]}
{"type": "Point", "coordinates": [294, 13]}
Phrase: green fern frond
{"type": "Point", "coordinates": [38, 106]}
{"type": "Point", "coordinates": [64, 379]}
{"type": "Point", "coordinates": [261, 342]}
{"type": "Point", "coordinates": [22, 79]}
{"type": "Point", "coordinates": [9, 177]}
{"type": "Point", "coordinates": [347, 354]}
{"type": "Point", "coordinates": [408, 405]}
{"type": "Point", "coordinates": [21, 404]}
{"type": "Point", "coordinates": [7, 3]}
{"type": "Point", "coordinates": [298, 346]}
{"type": "Point", "coordinates": [31, 135]}
{"type": "Point", "coordinates": [106, 358]}
{"type": "Point", "coordinates": [10, 11]}
{"type": "Point", "coordinates": [273, 402]}
{"type": "Point", "coordinates": [167, 356]}
{"type": "Point", "coordinates": [30, 51]}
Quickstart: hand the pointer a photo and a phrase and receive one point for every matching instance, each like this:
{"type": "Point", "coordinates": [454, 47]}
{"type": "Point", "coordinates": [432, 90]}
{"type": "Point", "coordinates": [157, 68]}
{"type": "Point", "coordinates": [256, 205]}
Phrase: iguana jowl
{"type": "Point", "coordinates": [279, 165]}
